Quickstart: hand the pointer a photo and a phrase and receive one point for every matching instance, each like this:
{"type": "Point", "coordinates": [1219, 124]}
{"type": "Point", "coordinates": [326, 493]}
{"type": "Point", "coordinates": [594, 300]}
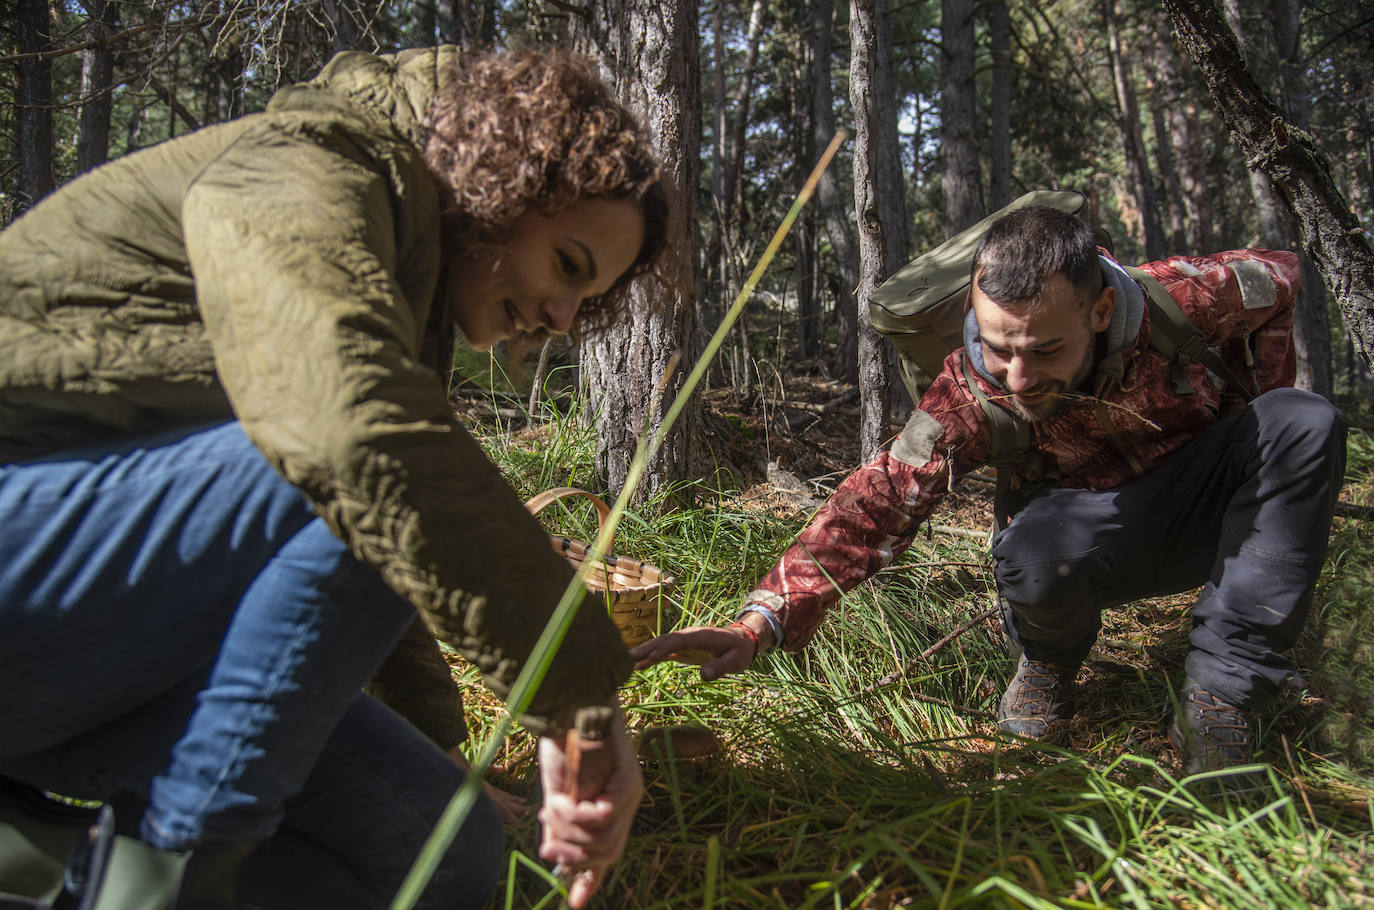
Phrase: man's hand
{"type": "Point", "coordinates": [587, 836]}
{"type": "Point", "coordinates": [719, 651]}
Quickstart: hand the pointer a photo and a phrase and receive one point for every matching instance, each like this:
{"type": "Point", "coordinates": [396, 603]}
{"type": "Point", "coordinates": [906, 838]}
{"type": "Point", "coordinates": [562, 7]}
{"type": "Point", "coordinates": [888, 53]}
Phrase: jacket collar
{"type": "Point", "coordinates": [393, 87]}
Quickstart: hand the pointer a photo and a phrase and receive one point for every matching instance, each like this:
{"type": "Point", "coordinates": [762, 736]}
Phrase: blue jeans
{"type": "Point", "coordinates": [1244, 510]}
{"type": "Point", "coordinates": [181, 637]}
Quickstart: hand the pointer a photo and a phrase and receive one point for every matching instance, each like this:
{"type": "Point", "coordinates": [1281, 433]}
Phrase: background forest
{"type": "Point", "coordinates": [863, 773]}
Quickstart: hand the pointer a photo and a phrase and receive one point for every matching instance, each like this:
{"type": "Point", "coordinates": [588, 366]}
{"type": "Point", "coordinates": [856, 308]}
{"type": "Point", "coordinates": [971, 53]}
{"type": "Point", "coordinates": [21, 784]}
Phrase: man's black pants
{"type": "Point", "coordinates": [1243, 510]}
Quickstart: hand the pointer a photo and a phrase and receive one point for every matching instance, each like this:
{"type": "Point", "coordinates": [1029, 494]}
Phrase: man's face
{"type": "Point", "coordinates": [1040, 353]}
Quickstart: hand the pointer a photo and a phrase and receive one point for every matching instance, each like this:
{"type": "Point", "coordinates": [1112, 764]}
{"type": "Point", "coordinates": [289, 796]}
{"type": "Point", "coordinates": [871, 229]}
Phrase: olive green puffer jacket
{"type": "Point", "coordinates": [282, 269]}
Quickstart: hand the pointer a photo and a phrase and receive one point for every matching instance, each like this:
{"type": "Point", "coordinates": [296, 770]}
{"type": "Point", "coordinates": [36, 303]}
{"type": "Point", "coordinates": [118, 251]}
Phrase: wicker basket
{"type": "Point", "coordinates": [634, 591]}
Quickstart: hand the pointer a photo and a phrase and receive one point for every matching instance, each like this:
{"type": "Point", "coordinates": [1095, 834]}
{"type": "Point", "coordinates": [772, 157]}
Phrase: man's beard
{"type": "Point", "coordinates": [1050, 406]}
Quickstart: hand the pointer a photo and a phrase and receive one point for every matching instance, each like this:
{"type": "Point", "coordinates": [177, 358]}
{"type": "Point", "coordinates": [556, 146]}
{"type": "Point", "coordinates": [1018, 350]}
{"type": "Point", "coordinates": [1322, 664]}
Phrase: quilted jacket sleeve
{"type": "Point", "coordinates": [296, 237]}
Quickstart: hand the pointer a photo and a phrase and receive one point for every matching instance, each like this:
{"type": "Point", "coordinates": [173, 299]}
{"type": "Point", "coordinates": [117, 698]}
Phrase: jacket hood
{"type": "Point", "coordinates": [1121, 332]}
{"type": "Point", "coordinates": [394, 87]}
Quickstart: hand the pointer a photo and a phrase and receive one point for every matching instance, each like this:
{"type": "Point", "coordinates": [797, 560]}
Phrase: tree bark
{"type": "Point", "coordinates": [999, 107]}
{"type": "Point", "coordinates": [424, 22]}
{"type": "Point", "coordinates": [712, 302]}
{"type": "Point", "coordinates": [804, 229]}
{"type": "Point", "coordinates": [734, 182]}
{"type": "Point", "coordinates": [650, 50]}
{"type": "Point", "coordinates": [829, 203]}
{"type": "Point", "coordinates": [1128, 117]}
{"type": "Point", "coordinates": [961, 184]}
{"type": "Point", "coordinates": [1311, 327]}
{"type": "Point", "coordinates": [1184, 134]}
{"type": "Point", "coordinates": [351, 23]}
{"type": "Point", "coordinates": [33, 103]}
{"type": "Point", "coordinates": [1291, 160]}
{"type": "Point", "coordinates": [97, 80]}
{"type": "Point", "coordinates": [1164, 149]}
{"type": "Point", "coordinates": [878, 205]}
{"type": "Point", "coordinates": [1269, 44]}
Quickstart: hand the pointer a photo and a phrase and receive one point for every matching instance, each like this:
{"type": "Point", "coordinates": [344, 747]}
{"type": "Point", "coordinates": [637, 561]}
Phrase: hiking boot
{"type": "Point", "coordinates": [1038, 695]}
{"type": "Point", "coordinates": [1209, 733]}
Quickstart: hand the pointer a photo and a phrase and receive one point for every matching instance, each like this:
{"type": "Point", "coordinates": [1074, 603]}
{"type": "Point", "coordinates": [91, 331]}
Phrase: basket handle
{"type": "Point", "coordinates": [542, 501]}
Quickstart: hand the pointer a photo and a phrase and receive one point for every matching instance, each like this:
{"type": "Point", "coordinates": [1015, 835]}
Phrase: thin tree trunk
{"type": "Point", "coordinates": [650, 48]}
{"type": "Point", "coordinates": [1331, 234]}
{"type": "Point", "coordinates": [999, 108]}
{"type": "Point", "coordinates": [712, 301]}
{"type": "Point", "coordinates": [1269, 44]}
{"type": "Point", "coordinates": [1311, 327]}
{"type": "Point", "coordinates": [734, 182]}
{"type": "Point", "coordinates": [33, 103]}
{"type": "Point", "coordinates": [97, 80]}
{"type": "Point", "coordinates": [1185, 136]}
{"type": "Point", "coordinates": [829, 203]}
{"type": "Point", "coordinates": [351, 22]}
{"type": "Point", "coordinates": [1164, 149]}
{"type": "Point", "coordinates": [877, 204]}
{"type": "Point", "coordinates": [962, 187]}
{"type": "Point", "coordinates": [424, 22]}
{"type": "Point", "coordinates": [736, 215]}
{"type": "Point", "coordinates": [1128, 116]}
{"type": "Point", "coordinates": [804, 230]}
{"type": "Point", "coordinates": [448, 16]}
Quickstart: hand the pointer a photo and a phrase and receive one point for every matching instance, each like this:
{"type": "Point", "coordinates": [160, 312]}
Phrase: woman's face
{"type": "Point", "coordinates": [548, 266]}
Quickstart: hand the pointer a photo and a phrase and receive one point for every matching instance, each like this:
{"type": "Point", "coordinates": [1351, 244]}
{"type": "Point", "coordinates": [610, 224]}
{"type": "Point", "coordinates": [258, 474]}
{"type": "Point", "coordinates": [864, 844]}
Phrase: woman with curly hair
{"type": "Point", "coordinates": [230, 477]}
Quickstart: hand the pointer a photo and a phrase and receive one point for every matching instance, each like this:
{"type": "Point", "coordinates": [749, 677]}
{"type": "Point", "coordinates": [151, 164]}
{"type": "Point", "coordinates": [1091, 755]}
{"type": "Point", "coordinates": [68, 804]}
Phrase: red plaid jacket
{"type": "Point", "coordinates": [1242, 301]}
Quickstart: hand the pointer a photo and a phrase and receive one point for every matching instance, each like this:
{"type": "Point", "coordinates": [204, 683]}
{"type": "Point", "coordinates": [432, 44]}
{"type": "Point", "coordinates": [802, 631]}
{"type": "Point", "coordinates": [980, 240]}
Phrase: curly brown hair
{"type": "Point", "coordinates": [539, 129]}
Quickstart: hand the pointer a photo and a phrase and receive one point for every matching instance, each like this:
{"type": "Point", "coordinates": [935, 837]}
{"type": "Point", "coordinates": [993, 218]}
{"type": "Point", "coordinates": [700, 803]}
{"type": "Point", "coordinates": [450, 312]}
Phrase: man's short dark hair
{"type": "Point", "coordinates": [1027, 246]}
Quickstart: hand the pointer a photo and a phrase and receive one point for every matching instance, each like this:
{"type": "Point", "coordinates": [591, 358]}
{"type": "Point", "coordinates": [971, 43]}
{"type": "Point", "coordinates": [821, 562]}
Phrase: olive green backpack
{"type": "Point", "coordinates": [920, 310]}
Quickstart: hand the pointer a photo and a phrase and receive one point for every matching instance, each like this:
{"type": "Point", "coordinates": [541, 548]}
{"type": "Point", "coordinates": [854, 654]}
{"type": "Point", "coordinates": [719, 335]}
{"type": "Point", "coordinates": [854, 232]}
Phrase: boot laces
{"type": "Point", "coordinates": [1220, 724]}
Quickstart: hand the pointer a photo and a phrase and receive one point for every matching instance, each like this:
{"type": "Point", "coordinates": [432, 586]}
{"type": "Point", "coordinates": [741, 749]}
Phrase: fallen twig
{"type": "Point", "coordinates": [960, 532]}
{"type": "Point", "coordinates": [830, 406]}
{"type": "Point", "coordinates": [925, 655]}
{"type": "Point", "coordinates": [932, 565]}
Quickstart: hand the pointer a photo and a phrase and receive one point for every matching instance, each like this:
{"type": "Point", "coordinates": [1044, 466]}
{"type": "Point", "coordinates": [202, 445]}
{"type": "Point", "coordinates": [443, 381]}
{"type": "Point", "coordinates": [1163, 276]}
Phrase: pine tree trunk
{"type": "Point", "coordinates": [1269, 44]}
{"type": "Point", "coordinates": [97, 82]}
{"type": "Point", "coordinates": [877, 204]}
{"type": "Point", "coordinates": [961, 184]}
{"type": "Point", "coordinates": [829, 202]}
{"type": "Point", "coordinates": [1128, 116]}
{"type": "Point", "coordinates": [999, 108]}
{"type": "Point", "coordinates": [1330, 232]}
{"type": "Point", "coordinates": [1164, 149]}
{"type": "Point", "coordinates": [424, 22]}
{"type": "Point", "coordinates": [650, 50]}
{"type": "Point", "coordinates": [33, 103]}
{"type": "Point", "coordinates": [714, 288]}
{"type": "Point", "coordinates": [804, 229]}
{"type": "Point", "coordinates": [1185, 136]}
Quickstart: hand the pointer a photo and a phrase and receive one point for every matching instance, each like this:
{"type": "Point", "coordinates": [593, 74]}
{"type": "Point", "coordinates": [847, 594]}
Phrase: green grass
{"type": "Point", "coordinates": [832, 793]}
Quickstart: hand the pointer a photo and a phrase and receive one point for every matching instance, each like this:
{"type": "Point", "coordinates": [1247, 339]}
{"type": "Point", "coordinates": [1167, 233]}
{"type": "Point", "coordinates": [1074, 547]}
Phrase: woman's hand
{"type": "Point", "coordinates": [719, 651]}
{"type": "Point", "coordinates": [585, 837]}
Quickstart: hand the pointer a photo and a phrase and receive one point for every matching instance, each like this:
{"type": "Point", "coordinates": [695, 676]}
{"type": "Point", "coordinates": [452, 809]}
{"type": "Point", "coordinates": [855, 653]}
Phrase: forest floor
{"type": "Point", "coordinates": [809, 747]}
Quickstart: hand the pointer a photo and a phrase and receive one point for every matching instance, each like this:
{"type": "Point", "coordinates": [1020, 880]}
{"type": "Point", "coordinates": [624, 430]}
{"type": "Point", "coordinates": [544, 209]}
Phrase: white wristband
{"type": "Point", "coordinates": [770, 617]}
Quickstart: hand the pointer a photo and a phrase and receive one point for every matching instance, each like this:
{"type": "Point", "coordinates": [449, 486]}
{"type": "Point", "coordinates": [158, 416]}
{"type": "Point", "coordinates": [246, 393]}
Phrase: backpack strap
{"type": "Point", "coordinates": [1009, 440]}
{"type": "Point", "coordinates": [1174, 335]}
